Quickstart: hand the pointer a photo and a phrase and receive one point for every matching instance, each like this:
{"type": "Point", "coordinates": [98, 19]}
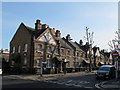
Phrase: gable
{"type": "Point", "coordinates": [22, 34]}
{"type": "Point", "coordinates": [110, 56]}
{"type": "Point", "coordinates": [97, 53]}
{"type": "Point", "coordinates": [47, 37]}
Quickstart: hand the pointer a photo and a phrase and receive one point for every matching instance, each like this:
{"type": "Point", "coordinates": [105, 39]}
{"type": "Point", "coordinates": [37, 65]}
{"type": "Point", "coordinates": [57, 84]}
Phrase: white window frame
{"type": "Point", "coordinates": [14, 49]}
{"type": "Point", "coordinates": [38, 64]}
{"type": "Point", "coordinates": [62, 51]}
{"type": "Point", "coordinates": [13, 62]}
{"type": "Point", "coordinates": [68, 54]}
{"type": "Point", "coordinates": [56, 50]}
{"type": "Point", "coordinates": [25, 47]}
{"type": "Point", "coordinates": [49, 49]}
{"type": "Point", "coordinates": [19, 47]}
{"type": "Point", "coordinates": [39, 49]}
{"type": "Point", "coordinates": [25, 61]}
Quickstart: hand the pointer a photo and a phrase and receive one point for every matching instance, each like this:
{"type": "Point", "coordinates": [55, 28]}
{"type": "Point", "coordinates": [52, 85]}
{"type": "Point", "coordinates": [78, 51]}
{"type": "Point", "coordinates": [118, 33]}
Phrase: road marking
{"type": "Point", "coordinates": [70, 81]}
{"type": "Point", "coordinates": [77, 85]}
{"type": "Point", "coordinates": [88, 87]}
{"type": "Point", "coordinates": [97, 86]}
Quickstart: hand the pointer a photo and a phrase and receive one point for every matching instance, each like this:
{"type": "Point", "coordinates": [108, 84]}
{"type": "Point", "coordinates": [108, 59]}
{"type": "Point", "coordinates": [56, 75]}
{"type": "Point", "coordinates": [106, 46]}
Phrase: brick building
{"type": "Point", "coordinates": [28, 45]}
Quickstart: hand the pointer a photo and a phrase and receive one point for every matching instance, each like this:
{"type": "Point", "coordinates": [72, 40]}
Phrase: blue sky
{"type": "Point", "coordinates": [68, 17]}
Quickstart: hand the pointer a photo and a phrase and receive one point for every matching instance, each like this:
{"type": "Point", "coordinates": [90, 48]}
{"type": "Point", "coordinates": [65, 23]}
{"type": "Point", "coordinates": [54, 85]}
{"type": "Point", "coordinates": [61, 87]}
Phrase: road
{"type": "Point", "coordinates": [83, 81]}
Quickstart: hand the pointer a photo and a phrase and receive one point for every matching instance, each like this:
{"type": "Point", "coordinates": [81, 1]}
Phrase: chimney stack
{"type": "Point", "coordinates": [37, 25]}
{"type": "Point", "coordinates": [58, 34]}
{"type": "Point", "coordinates": [44, 26]}
{"type": "Point", "coordinates": [68, 37]}
{"type": "Point", "coordinates": [81, 43]}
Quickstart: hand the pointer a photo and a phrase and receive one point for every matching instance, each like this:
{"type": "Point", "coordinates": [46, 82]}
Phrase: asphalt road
{"type": "Point", "coordinates": [84, 81]}
{"type": "Point", "coordinates": [19, 83]}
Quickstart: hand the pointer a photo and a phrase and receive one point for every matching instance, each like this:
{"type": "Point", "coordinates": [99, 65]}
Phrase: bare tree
{"type": "Point", "coordinates": [89, 37]}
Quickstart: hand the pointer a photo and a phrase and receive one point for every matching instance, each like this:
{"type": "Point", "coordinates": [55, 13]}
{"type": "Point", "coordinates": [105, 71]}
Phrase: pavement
{"type": "Point", "coordinates": [46, 76]}
{"type": "Point", "coordinates": [111, 84]}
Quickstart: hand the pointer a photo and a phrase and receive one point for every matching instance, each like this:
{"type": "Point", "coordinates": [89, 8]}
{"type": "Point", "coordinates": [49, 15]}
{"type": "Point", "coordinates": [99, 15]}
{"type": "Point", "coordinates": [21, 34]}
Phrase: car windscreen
{"type": "Point", "coordinates": [104, 68]}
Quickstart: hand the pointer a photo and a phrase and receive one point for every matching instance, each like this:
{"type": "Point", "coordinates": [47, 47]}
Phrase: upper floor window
{"type": "Point", "coordinates": [39, 47]}
{"type": "Point", "coordinates": [19, 49]}
{"type": "Point", "coordinates": [73, 53]}
{"type": "Point", "coordinates": [77, 64]}
{"type": "Point", "coordinates": [25, 47]}
{"type": "Point", "coordinates": [13, 49]}
{"type": "Point", "coordinates": [56, 51]}
{"type": "Point", "coordinates": [49, 49]}
{"type": "Point", "coordinates": [68, 53]}
{"type": "Point", "coordinates": [62, 51]}
{"type": "Point", "coordinates": [81, 55]}
{"type": "Point", "coordinates": [77, 54]}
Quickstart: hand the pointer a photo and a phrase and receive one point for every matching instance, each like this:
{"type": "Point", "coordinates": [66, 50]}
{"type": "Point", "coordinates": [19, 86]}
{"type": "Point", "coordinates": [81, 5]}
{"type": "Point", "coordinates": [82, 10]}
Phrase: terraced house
{"type": "Point", "coordinates": [42, 47]}
{"type": "Point", "coordinates": [28, 44]}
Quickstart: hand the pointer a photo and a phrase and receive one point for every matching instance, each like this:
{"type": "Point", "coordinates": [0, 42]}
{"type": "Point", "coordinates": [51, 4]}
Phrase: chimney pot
{"type": "Point", "coordinates": [37, 25]}
{"type": "Point", "coordinates": [81, 42]}
{"type": "Point", "coordinates": [58, 34]}
{"type": "Point", "coordinates": [44, 26]}
{"type": "Point", "coordinates": [68, 37]}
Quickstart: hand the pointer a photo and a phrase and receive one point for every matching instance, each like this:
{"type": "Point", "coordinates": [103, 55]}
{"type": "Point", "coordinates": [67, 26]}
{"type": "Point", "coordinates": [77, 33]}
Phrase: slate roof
{"type": "Point", "coordinates": [69, 43]}
{"type": "Point", "coordinates": [74, 45]}
{"type": "Point", "coordinates": [83, 48]}
{"type": "Point", "coordinates": [35, 33]}
{"type": "Point", "coordinates": [63, 43]}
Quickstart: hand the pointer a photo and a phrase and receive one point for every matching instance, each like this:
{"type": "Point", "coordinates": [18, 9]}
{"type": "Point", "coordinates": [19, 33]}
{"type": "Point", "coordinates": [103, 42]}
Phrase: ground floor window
{"type": "Point", "coordinates": [13, 62]}
{"type": "Point", "coordinates": [73, 64]}
{"type": "Point", "coordinates": [25, 61]}
{"type": "Point", "coordinates": [38, 63]}
{"type": "Point", "coordinates": [68, 64]}
{"type": "Point", "coordinates": [49, 63]}
{"type": "Point", "coordinates": [77, 64]}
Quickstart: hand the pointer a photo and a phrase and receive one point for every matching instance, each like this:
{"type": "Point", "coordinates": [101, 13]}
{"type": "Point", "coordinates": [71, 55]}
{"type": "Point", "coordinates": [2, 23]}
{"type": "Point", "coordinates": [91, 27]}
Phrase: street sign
{"type": "Point", "coordinates": [115, 54]}
{"type": "Point", "coordinates": [41, 57]}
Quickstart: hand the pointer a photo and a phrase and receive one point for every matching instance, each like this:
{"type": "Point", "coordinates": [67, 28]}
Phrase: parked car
{"type": "Point", "coordinates": [106, 72]}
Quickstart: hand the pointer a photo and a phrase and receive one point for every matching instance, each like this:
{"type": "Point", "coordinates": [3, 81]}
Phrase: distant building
{"type": "Point", "coordinates": [4, 60]}
{"type": "Point", "coordinates": [5, 54]}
